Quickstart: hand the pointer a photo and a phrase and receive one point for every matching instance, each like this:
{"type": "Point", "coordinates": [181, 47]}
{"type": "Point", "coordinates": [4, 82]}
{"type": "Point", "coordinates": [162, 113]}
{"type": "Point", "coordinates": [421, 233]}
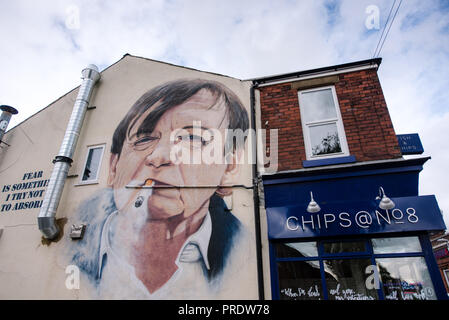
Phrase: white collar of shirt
{"type": "Point", "coordinates": [194, 248]}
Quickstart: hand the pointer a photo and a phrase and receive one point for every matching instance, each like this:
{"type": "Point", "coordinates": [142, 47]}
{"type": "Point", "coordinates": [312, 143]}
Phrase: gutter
{"type": "Point", "coordinates": [313, 73]}
{"type": "Point", "coordinates": [62, 162]}
{"type": "Point", "coordinates": [7, 112]}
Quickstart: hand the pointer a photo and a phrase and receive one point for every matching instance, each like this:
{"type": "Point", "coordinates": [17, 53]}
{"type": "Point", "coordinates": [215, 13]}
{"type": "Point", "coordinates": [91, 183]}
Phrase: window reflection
{"type": "Point", "coordinates": [346, 279]}
{"type": "Point", "coordinates": [324, 139]}
{"type": "Point", "coordinates": [299, 280]}
{"type": "Point", "coordinates": [296, 249]}
{"type": "Point", "coordinates": [92, 164]}
{"type": "Point", "coordinates": [396, 245]}
{"type": "Point", "coordinates": [318, 105]}
{"type": "Point", "coordinates": [354, 270]}
{"type": "Point", "coordinates": [342, 247]}
{"type": "Point", "coordinates": [405, 279]}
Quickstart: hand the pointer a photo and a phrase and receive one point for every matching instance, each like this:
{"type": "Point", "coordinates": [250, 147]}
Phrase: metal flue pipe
{"type": "Point", "coordinates": [46, 219]}
{"type": "Point", "coordinates": [7, 112]}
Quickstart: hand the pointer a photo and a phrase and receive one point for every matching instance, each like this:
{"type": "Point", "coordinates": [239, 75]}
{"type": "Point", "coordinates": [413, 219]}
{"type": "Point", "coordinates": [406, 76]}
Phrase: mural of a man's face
{"type": "Point", "coordinates": [146, 156]}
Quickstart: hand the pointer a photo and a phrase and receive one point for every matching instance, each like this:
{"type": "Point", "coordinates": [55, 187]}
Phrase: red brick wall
{"type": "Point", "coordinates": [369, 131]}
{"type": "Point", "coordinates": [443, 264]}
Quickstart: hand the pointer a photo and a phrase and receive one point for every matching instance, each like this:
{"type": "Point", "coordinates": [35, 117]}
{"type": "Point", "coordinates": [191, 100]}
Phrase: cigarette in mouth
{"type": "Point", "coordinates": [149, 183]}
{"type": "Point", "coordinates": [144, 193]}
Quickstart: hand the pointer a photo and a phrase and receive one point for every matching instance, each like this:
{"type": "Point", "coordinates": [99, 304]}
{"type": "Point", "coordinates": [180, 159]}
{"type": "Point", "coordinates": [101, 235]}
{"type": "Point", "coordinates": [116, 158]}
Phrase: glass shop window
{"type": "Point", "coordinates": [324, 135]}
{"type": "Point", "coordinates": [92, 164]}
{"type": "Point", "coordinates": [296, 249]}
{"type": "Point", "coordinates": [344, 247]}
{"type": "Point", "coordinates": [405, 278]}
{"type": "Point", "coordinates": [300, 280]}
{"type": "Point", "coordinates": [396, 245]}
{"type": "Point", "coordinates": [346, 279]}
{"type": "Point", "coordinates": [391, 268]}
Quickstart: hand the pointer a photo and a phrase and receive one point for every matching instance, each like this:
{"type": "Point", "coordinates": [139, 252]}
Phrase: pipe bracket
{"type": "Point", "coordinates": [62, 159]}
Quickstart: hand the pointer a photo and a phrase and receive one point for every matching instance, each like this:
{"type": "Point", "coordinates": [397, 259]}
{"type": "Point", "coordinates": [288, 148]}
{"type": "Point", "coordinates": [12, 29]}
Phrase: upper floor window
{"type": "Point", "coordinates": [92, 164]}
{"type": "Point", "coordinates": [324, 135]}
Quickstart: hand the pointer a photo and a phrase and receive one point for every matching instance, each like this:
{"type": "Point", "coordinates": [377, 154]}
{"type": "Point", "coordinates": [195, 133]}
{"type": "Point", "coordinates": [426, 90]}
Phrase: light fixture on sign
{"type": "Point", "coordinates": [313, 206]}
{"type": "Point", "coordinates": [385, 202]}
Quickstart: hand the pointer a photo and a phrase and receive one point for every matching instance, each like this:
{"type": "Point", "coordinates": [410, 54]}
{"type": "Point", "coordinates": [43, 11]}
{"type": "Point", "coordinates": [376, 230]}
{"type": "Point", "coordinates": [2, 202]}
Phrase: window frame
{"type": "Point", "coordinates": [446, 276]}
{"type": "Point", "coordinates": [338, 121]}
{"type": "Point", "coordinates": [92, 181]}
{"type": "Point", "coordinates": [322, 256]}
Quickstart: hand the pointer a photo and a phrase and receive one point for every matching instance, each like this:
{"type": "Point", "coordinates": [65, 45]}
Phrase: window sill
{"type": "Point", "coordinates": [86, 183]}
{"type": "Point", "coordinates": [328, 161]}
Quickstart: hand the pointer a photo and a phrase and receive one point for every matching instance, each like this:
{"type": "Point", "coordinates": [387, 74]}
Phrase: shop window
{"type": "Point", "coordinates": [296, 249]}
{"type": "Point", "coordinates": [346, 279]}
{"type": "Point", "coordinates": [300, 280]}
{"type": "Point", "coordinates": [324, 135]}
{"type": "Point", "coordinates": [92, 164]}
{"type": "Point", "coordinates": [344, 247]}
{"type": "Point", "coordinates": [396, 245]}
{"type": "Point", "coordinates": [405, 279]}
{"type": "Point", "coordinates": [391, 268]}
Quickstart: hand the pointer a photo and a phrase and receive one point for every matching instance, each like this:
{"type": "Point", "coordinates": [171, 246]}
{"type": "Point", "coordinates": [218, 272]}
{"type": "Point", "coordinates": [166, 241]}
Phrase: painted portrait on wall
{"type": "Point", "coordinates": [161, 228]}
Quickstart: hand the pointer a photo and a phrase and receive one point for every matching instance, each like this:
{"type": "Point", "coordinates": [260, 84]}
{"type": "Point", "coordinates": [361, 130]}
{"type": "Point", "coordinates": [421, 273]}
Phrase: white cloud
{"type": "Point", "coordinates": [415, 84]}
{"type": "Point", "coordinates": [42, 54]}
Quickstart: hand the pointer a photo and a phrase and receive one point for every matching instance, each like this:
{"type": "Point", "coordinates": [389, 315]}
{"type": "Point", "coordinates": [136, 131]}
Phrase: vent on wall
{"type": "Point", "coordinates": [7, 112]}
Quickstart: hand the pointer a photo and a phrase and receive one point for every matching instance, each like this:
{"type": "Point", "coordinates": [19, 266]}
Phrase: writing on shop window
{"type": "Point", "coordinates": [347, 294]}
{"type": "Point", "coordinates": [403, 290]}
{"type": "Point", "coordinates": [311, 292]}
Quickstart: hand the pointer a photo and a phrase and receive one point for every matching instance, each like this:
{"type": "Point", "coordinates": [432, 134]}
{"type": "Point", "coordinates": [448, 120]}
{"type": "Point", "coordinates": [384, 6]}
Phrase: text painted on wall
{"type": "Point", "coordinates": [26, 194]}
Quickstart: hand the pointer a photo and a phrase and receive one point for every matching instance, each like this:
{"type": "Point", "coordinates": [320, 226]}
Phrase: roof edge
{"type": "Point", "coordinates": [317, 71]}
{"type": "Point", "coordinates": [261, 80]}
{"type": "Point", "coordinates": [180, 66]}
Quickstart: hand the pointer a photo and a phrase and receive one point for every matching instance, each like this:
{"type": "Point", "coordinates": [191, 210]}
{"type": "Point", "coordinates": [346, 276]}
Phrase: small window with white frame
{"type": "Point", "coordinates": [92, 164]}
{"type": "Point", "coordinates": [324, 135]}
{"type": "Point", "coordinates": [446, 276]}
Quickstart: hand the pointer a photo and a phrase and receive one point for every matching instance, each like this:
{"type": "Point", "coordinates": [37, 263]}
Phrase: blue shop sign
{"type": "Point", "coordinates": [418, 213]}
{"type": "Point", "coordinates": [410, 144]}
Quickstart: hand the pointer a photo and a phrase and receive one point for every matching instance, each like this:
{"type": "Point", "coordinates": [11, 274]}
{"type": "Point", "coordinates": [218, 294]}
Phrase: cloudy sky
{"type": "Point", "coordinates": [45, 45]}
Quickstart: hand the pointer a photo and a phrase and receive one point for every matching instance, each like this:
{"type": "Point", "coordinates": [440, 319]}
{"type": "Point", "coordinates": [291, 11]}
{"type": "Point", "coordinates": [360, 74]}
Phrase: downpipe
{"type": "Point", "coordinates": [62, 162]}
{"type": "Point", "coordinates": [256, 201]}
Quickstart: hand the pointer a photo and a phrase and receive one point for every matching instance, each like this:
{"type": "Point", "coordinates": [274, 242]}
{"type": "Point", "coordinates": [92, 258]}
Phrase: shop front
{"type": "Point", "coordinates": [355, 232]}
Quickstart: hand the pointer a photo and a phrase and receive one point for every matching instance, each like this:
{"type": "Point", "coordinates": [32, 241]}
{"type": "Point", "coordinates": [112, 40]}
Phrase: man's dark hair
{"type": "Point", "coordinates": [172, 94]}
